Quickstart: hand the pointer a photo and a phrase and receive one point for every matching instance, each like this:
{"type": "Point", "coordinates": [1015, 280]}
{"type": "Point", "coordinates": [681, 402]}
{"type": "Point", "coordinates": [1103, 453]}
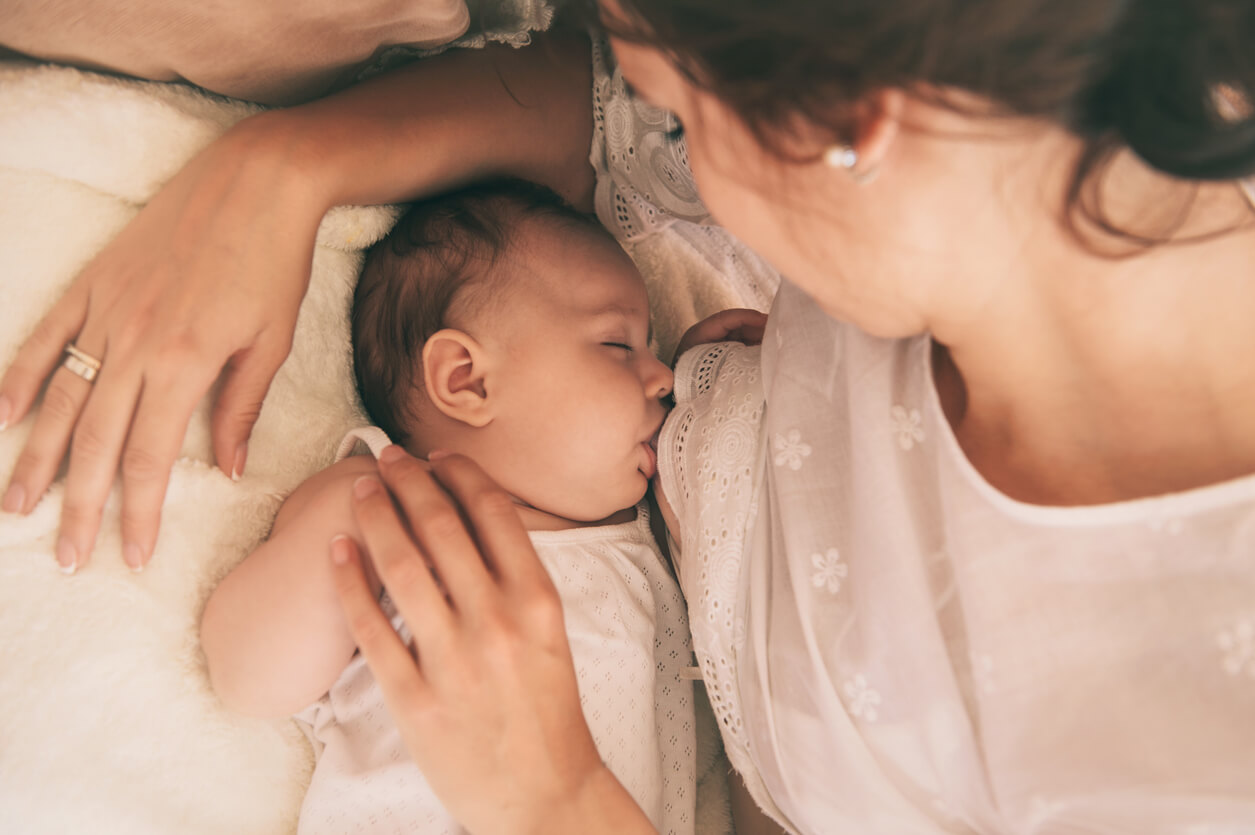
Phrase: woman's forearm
{"type": "Point", "coordinates": [464, 115]}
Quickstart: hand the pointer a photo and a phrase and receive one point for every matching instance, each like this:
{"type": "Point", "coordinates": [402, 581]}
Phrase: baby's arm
{"type": "Point", "coordinates": [273, 631]}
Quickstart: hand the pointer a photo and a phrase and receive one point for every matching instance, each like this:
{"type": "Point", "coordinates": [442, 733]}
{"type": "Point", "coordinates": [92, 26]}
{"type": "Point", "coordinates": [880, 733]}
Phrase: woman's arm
{"type": "Point", "coordinates": [209, 276]}
{"type": "Point", "coordinates": [273, 634]}
{"type": "Point", "coordinates": [486, 701]}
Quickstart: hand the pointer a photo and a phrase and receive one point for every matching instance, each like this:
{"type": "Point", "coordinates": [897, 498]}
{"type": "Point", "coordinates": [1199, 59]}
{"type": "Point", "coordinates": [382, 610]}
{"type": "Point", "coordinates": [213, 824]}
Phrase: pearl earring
{"type": "Point", "coordinates": [846, 158]}
{"type": "Point", "coordinates": [841, 156]}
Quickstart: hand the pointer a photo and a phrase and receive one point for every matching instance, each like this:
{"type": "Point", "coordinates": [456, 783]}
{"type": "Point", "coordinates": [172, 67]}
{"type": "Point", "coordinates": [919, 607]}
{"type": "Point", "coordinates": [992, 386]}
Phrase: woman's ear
{"type": "Point", "coordinates": [455, 370]}
{"type": "Point", "coordinates": [879, 117]}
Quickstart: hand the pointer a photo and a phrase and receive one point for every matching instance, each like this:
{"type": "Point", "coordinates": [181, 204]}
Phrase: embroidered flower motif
{"type": "Point", "coordinates": [790, 449]}
{"type": "Point", "coordinates": [862, 699]}
{"type": "Point", "coordinates": [829, 570]}
{"type": "Point", "coordinates": [908, 426]}
{"type": "Point", "coordinates": [1238, 645]}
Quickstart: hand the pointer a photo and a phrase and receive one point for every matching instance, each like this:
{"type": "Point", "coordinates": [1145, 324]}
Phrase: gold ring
{"type": "Point", "coordinates": [78, 361]}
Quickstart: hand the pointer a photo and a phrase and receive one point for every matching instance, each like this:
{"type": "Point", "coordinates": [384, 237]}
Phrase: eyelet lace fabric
{"type": "Point", "coordinates": [709, 450]}
{"type": "Point", "coordinates": [645, 195]}
{"type": "Point", "coordinates": [644, 183]}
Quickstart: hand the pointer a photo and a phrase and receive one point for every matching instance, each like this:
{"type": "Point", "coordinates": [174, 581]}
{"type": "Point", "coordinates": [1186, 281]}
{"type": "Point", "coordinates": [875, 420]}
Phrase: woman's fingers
{"type": "Point", "coordinates": [39, 355]}
{"type": "Point", "coordinates": [495, 521]}
{"type": "Point", "coordinates": [402, 568]}
{"type": "Point", "coordinates": [48, 441]}
{"type": "Point", "coordinates": [439, 528]}
{"type": "Point", "coordinates": [389, 659]}
{"type": "Point", "coordinates": [244, 385]}
{"type": "Point", "coordinates": [156, 436]}
{"type": "Point", "coordinates": [97, 441]}
{"type": "Point", "coordinates": [466, 737]}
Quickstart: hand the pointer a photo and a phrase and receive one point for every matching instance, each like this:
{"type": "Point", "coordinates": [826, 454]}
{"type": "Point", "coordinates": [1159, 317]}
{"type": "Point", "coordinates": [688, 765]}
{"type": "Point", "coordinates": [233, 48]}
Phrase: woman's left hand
{"type": "Point", "coordinates": [486, 699]}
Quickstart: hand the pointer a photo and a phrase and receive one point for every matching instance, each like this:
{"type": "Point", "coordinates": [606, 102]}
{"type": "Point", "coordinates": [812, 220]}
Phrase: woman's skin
{"type": "Point", "coordinates": [1069, 377]}
{"type": "Point", "coordinates": [208, 277]}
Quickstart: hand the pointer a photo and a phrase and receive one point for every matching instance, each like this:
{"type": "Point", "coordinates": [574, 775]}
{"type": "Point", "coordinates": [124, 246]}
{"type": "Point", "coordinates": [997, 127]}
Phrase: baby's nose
{"type": "Point", "coordinates": [661, 381]}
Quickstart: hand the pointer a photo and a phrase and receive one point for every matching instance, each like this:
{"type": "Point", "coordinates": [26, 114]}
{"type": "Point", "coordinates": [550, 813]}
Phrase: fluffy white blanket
{"type": "Point", "coordinates": [107, 720]}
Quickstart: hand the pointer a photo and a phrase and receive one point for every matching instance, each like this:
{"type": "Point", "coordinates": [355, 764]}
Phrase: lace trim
{"type": "Point", "coordinates": [643, 178]}
{"type": "Point", "coordinates": [709, 448]}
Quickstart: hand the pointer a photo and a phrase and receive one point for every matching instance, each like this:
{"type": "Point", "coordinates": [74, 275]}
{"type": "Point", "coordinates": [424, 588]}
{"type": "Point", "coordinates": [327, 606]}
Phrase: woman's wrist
{"type": "Point", "coordinates": [274, 155]}
{"type": "Point", "coordinates": [599, 804]}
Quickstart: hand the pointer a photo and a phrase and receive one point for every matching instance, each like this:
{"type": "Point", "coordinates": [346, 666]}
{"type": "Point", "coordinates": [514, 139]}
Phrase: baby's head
{"type": "Point", "coordinates": [499, 322]}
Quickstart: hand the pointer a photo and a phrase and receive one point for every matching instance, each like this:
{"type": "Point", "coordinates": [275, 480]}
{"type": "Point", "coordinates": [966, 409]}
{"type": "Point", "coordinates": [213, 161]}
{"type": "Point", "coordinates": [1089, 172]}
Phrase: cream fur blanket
{"type": "Point", "coordinates": [107, 720]}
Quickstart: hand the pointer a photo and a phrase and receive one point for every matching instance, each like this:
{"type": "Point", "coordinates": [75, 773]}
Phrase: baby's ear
{"type": "Point", "coordinates": [454, 374]}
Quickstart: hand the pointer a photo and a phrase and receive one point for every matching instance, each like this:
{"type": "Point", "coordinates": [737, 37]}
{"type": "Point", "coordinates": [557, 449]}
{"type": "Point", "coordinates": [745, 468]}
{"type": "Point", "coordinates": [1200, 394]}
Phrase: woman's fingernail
{"type": "Point", "coordinates": [14, 498]}
{"type": "Point", "coordinates": [67, 557]}
{"type": "Point", "coordinates": [134, 557]}
{"type": "Point", "coordinates": [365, 486]}
{"type": "Point", "coordinates": [392, 453]}
{"type": "Point", "coordinates": [437, 454]}
{"type": "Point", "coordinates": [237, 466]}
{"type": "Point", "coordinates": [6, 412]}
{"type": "Point", "coordinates": [339, 549]}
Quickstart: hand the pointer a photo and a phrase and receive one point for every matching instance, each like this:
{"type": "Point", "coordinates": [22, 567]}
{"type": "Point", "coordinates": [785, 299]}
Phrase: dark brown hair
{"type": "Point", "coordinates": [1138, 73]}
{"type": "Point", "coordinates": [438, 256]}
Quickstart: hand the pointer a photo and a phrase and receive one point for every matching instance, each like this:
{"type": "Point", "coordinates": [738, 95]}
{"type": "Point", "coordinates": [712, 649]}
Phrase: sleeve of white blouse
{"type": "Point", "coordinates": [711, 436]}
{"type": "Point", "coordinates": [643, 177]}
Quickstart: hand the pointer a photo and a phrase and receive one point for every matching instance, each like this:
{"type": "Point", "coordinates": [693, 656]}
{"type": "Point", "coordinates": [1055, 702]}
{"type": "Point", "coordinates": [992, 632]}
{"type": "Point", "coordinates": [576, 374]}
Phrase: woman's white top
{"type": "Point", "coordinates": [891, 645]}
{"type": "Point", "coordinates": [625, 622]}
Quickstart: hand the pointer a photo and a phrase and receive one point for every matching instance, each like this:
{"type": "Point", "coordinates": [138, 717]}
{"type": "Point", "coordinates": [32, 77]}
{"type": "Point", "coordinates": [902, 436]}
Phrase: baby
{"type": "Point", "coordinates": [499, 323]}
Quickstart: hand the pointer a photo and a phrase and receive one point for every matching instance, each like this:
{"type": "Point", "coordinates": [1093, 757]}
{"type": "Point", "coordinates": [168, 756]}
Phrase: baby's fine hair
{"type": "Point", "coordinates": [439, 257]}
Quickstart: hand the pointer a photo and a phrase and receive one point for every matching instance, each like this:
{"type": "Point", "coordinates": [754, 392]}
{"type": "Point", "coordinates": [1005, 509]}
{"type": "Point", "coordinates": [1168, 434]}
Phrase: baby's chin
{"type": "Point", "coordinates": [613, 510]}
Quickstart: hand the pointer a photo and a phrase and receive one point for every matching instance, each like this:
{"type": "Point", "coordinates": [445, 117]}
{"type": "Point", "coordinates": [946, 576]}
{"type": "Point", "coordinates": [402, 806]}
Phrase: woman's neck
{"type": "Point", "coordinates": [1089, 379]}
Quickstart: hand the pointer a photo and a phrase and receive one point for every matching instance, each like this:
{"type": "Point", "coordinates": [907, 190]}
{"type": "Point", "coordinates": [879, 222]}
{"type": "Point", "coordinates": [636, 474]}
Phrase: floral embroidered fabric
{"type": "Point", "coordinates": [892, 645]}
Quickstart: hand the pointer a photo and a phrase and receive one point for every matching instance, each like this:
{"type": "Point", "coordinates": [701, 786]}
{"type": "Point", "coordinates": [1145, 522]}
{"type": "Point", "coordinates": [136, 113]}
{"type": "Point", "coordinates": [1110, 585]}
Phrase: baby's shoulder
{"type": "Point", "coordinates": [324, 498]}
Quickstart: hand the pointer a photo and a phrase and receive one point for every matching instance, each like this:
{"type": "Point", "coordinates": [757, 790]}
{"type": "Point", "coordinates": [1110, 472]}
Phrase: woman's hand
{"type": "Point", "coordinates": [486, 699]}
{"type": "Point", "coordinates": [209, 275]}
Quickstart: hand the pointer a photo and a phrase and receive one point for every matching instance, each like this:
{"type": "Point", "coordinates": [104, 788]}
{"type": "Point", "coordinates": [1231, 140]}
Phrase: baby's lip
{"type": "Point", "coordinates": [651, 461]}
{"type": "Point", "coordinates": [653, 439]}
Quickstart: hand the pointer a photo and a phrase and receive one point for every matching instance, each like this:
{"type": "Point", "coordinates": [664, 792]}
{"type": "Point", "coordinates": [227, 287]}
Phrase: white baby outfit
{"type": "Point", "coordinates": [891, 645]}
{"type": "Point", "coordinates": [625, 620]}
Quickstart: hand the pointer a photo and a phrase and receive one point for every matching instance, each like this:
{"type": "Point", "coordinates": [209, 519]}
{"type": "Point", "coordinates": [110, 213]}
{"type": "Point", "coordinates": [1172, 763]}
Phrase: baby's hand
{"type": "Point", "coordinates": [734, 325]}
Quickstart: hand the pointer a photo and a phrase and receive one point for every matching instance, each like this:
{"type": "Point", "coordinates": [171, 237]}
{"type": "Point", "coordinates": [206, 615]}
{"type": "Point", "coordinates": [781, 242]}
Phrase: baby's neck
{"type": "Point", "coordinates": [535, 519]}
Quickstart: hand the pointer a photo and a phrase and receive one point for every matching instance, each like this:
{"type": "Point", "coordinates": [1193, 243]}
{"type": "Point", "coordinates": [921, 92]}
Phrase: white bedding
{"type": "Point", "coordinates": [107, 721]}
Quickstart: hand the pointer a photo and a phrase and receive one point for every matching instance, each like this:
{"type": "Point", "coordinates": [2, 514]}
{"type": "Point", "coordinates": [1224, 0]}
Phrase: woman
{"type": "Point", "coordinates": [990, 562]}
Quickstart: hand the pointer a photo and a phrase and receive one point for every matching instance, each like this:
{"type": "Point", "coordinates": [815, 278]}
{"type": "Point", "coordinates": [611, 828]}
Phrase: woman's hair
{"type": "Point", "coordinates": [1170, 79]}
{"type": "Point", "coordinates": [439, 261]}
